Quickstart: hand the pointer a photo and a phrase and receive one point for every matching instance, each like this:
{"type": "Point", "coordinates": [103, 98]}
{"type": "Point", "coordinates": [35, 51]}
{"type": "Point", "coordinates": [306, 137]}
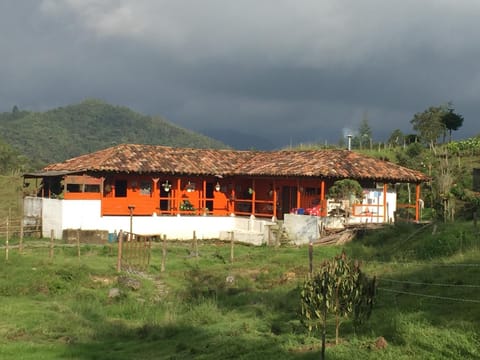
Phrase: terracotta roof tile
{"type": "Point", "coordinates": [337, 164]}
{"type": "Point", "coordinates": [329, 164]}
{"type": "Point", "coordinates": [152, 158]}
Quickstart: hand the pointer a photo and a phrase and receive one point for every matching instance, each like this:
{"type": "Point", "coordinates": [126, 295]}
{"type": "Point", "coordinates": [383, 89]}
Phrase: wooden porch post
{"type": "Point", "coordinates": [177, 195]}
{"type": "Point", "coordinates": [417, 203]}
{"type": "Point", "coordinates": [203, 200]}
{"type": "Point", "coordinates": [154, 195]}
{"type": "Point", "coordinates": [274, 199]}
{"type": "Point", "coordinates": [102, 194]}
{"type": "Point", "coordinates": [299, 195]}
{"type": "Point", "coordinates": [323, 205]}
{"type": "Point", "coordinates": [253, 197]}
{"type": "Point", "coordinates": [385, 215]}
{"type": "Point", "coordinates": [232, 199]}
{"type": "Point", "coordinates": [154, 190]}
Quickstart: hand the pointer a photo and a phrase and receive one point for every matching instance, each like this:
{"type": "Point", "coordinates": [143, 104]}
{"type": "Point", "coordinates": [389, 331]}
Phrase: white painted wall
{"type": "Point", "coordinates": [52, 217]}
{"type": "Point", "coordinates": [58, 215]}
{"type": "Point", "coordinates": [372, 198]}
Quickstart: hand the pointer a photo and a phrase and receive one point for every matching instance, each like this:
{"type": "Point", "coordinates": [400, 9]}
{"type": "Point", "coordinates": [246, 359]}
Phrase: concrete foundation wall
{"type": "Point", "coordinates": [60, 215]}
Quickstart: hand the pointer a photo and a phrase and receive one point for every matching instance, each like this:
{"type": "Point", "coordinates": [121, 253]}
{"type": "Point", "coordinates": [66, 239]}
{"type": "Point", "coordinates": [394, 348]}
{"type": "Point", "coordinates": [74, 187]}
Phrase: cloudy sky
{"type": "Point", "coordinates": [262, 73]}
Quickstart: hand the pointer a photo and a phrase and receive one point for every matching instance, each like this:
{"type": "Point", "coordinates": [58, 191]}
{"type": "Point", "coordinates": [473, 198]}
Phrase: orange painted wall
{"type": "Point", "coordinates": [220, 202]}
{"type": "Point", "coordinates": [145, 203]}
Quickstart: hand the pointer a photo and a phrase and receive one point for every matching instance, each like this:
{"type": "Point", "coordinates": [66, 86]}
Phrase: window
{"type": "Point", "coordinates": [74, 188]}
{"type": "Point", "coordinates": [145, 187]}
{"type": "Point", "coordinates": [120, 188]}
{"type": "Point", "coordinates": [90, 188]}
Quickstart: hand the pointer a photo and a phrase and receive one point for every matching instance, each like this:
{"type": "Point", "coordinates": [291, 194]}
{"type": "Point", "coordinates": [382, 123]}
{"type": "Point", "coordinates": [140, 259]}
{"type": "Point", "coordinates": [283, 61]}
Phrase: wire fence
{"type": "Point", "coordinates": [439, 297]}
{"type": "Point", "coordinates": [18, 228]}
{"type": "Point", "coordinates": [134, 253]}
{"type": "Point", "coordinates": [428, 284]}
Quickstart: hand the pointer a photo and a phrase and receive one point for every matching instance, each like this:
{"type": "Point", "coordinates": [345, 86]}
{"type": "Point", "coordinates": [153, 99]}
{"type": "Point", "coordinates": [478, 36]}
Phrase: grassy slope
{"type": "Point", "coordinates": [60, 309]}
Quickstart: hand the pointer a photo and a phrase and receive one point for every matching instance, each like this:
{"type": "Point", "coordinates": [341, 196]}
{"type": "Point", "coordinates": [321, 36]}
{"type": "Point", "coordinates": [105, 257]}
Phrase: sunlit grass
{"type": "Point", "coordinates": [211, 308]}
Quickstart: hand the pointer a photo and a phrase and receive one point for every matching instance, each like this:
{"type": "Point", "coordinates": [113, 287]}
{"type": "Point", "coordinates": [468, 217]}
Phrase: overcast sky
{"type": "Point", "coordinates": [269, 72]}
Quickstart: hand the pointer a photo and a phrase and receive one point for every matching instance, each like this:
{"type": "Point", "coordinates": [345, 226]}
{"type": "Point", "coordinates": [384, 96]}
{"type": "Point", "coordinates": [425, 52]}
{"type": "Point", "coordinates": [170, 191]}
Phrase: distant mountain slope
{"type": "Point", "coordinates": [66, 132]}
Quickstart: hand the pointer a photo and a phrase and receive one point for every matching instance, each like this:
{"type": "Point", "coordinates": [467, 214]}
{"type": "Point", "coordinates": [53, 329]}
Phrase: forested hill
{"type": "Point", "coordinates": [66, 132]}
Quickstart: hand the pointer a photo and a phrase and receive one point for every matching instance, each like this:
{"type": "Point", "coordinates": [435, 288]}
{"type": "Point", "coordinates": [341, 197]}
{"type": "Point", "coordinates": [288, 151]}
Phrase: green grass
{"type": "Point", "coordinates": [60, 309]}
{"type": "Point", "coordinates": [11, 195]}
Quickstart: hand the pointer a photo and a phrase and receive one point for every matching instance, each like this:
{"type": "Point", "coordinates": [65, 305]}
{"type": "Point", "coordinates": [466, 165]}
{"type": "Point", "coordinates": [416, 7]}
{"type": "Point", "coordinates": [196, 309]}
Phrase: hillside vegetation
{"type": "Point", "coordinates": [66, 132]}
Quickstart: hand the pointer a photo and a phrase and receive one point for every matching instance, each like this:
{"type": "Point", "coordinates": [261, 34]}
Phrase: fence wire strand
{"type": "Point", "coordinates": [429, 296]}
{"type": "Point", "coordinates": [428, 284]}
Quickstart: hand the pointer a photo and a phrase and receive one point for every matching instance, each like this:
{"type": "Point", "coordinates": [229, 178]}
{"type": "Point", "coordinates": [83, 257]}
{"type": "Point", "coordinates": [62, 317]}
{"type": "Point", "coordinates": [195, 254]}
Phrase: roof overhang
{"type": "Point", "coordinates": [54, 173]}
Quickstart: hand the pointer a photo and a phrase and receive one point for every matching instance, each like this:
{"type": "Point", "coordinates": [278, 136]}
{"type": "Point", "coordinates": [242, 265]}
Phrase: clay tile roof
{"type": "Point", "coordinates": [130, 158]}
{"type": "Point", "coordinates": [336, 164]}
{"type": "Point", "coordinates": [329, 164]}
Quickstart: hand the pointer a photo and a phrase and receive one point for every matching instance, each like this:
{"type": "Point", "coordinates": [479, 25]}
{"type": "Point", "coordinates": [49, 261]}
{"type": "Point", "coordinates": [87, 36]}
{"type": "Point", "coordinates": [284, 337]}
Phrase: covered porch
{"type": "Point", "coordinates": [264, 197]}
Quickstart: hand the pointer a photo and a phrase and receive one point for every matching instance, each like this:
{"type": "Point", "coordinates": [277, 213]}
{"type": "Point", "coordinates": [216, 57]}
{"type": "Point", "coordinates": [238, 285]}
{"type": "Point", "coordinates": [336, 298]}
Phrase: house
{"type": "Point", "coordinates": [175, 191]}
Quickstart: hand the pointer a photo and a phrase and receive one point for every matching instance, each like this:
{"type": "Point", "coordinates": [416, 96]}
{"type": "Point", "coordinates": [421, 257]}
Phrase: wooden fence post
{"type": "Point", "coordinates": [195, 244]}
{"type": "Point", "coordinates": [119, 257]}
{"type": "Point", "coordinates": [232, 246]}
{"type": "Point", "coordinates": [6, 239]}
{"type": "Point", "coordinates": [20, 241]}
{"type": "Point", "coordinates": [51, 243]}
{"type": "Point", "coordinates": [164, 253]}
{"type": "Point", "coordinates": [78, 243]}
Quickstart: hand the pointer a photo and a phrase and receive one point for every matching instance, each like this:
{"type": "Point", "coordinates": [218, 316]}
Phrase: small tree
{"type": "Point", "coordinates": [396, 138]}
{"type": "Point", "coordinates": [342, 189]}
{"type": "Point", "coordinates": [428, 124]}
{"type": "Point", "coordinates": [365, 132]}
{"type": "Point", "coordinates": [451, 121]}
{"type": "Point", "coordinates": [339, 288]}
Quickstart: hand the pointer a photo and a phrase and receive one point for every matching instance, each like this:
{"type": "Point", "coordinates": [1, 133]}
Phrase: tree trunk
{"type": "Point", "coordinates": [337, 328]}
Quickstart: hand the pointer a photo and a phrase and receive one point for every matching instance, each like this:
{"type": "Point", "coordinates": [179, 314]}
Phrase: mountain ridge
{"type": "Point", "coordinates": [65, 132]}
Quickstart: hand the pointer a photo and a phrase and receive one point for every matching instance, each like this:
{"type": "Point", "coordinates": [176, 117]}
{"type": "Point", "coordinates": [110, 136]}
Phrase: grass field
{"type": "Point", "coordinates": [11, 195]}
{"type": "Point", "coordinates": [427, 307]}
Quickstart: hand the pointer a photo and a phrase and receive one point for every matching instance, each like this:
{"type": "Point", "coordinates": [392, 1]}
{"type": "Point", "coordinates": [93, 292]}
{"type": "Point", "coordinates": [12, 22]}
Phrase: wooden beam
{"type": "Point", "coordinates": [154, 190]}
{"type": "Point", "coordinates": [274, 199]}
{"type": "Point", "coordinates": [385, 215]}
{"type": "Point", "coordinates": [232, 199]}
{"type": "Point", "coordinates": [203, 196]}
{"type": "Point", "coordinates": [253, 197]}
{"type": "Point", "coordinates": [323, 205]}
{"type": "Point", "coordinates": [178, 191]}
{"type": "Point", "coordinates": [417, 202]}
{"type": "Point", "coordinates": [299, 195]}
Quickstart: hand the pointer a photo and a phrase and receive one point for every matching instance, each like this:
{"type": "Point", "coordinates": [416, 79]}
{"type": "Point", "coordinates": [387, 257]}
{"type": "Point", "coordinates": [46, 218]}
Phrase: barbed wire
{"type": "Point", "coordinates": [429, 296]}
{"type": "Point", "coordinates": [419, 263]}
{"type": "Point", "coordinates": [428, 284]}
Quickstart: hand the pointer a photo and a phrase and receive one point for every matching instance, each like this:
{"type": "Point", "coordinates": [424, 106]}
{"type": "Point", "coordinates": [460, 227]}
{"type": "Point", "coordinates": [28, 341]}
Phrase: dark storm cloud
{"type": "Point", "coordinates": [285, 72]}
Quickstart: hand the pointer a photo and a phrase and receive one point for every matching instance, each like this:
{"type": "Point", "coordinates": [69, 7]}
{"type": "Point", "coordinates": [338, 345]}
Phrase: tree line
{"type": "Point", "coordinates": [428, 127]}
